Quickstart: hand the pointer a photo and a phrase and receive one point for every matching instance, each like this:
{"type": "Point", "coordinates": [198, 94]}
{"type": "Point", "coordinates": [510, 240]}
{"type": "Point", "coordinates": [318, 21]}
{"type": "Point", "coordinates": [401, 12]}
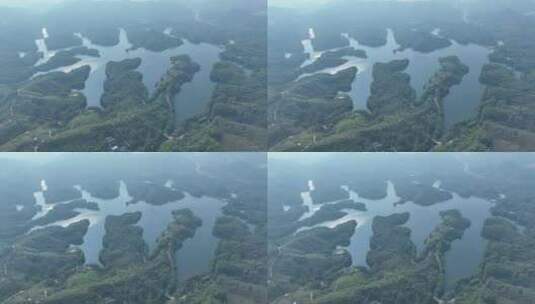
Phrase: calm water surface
{"type": "Point", "coordinates": [192, 259]}
{"type": "Point", "coordinates": [463, 99]}
{"type": "Point", "coordinates": [465, 254]}
{"type": "Point", "coordinates": [194, 96]}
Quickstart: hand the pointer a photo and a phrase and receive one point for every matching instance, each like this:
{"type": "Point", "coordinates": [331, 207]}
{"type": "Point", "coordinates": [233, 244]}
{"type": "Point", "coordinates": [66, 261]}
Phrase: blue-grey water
{"type": "Point", "coordinates": [192, 259]}
{"type": "Point", "coordinates": [197, 253]}
{"type": "Point", "coordinates": [465, 254]}
{"type": "Point", "coordinates": [460, 104]}
{"type": "Point", "coordinates": [194, 97]}
{"type": "Point", "coordinates": [192, 100]}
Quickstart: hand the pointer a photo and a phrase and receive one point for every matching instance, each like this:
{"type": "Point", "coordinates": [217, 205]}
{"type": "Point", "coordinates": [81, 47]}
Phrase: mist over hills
{"type": "Point", "coordinates": [197, 68]}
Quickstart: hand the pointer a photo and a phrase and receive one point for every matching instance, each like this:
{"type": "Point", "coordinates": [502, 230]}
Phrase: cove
{"type": "Point", "coordinates": [195, 96]}
{"type": "Point", "coordinates": [153, 65]}
{"type": "Point", "coordinates": [192, 259]}
{"type": "Point", "coordinates": [192, 100]}
{"type": "Point", "coordinates": [459, 105]}
{"type": "Point", "coordinates": [465, 254]}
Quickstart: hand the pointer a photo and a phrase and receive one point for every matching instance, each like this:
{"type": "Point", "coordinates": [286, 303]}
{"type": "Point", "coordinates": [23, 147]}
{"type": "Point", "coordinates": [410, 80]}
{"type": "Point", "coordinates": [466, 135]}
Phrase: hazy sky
{"type": "Point", "coordinates": [24, 3]}
{"type": "Point", "coordinates": [41, 4]}
{"type": "Point", "coordinates": [32, 157]}
{"type": "Point", "coordinates": [312, 3]}
{"type": "Point", "coordinates": [296, 3]}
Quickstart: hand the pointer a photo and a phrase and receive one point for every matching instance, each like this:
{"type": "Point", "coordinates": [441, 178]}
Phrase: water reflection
{"type": "Point", "coordinates": [43, 49]}
{"type": "Point", "coordinates": [193, 258]}
{"type": "Point", "coordinates": [193, 98]}
{"type": "Point", "coordinates": [460, 104]}
{"type": "Point", "coordinates": [465, 254]}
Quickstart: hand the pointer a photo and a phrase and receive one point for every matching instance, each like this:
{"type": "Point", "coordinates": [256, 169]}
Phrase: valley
{"type": "Point", "coordinates": [381, 228]}
{"type": "Point", "coordinates": [308, 45]}
{"type": "Point", "coordinates": [169, 109]}
{"type": "Point", "coordinates": [95, 236]}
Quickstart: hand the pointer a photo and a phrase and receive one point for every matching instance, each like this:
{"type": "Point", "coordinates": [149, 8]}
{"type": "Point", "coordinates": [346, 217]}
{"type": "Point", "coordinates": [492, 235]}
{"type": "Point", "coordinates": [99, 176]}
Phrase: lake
{"type": "Point", "coordinates": [460, 104]}
{"type": "Point", "coordinates": [465, 254]}
{"type": "Point", "coordinates": [192, 259]}
{"type": "Point", "coordinates": [194, 97]}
